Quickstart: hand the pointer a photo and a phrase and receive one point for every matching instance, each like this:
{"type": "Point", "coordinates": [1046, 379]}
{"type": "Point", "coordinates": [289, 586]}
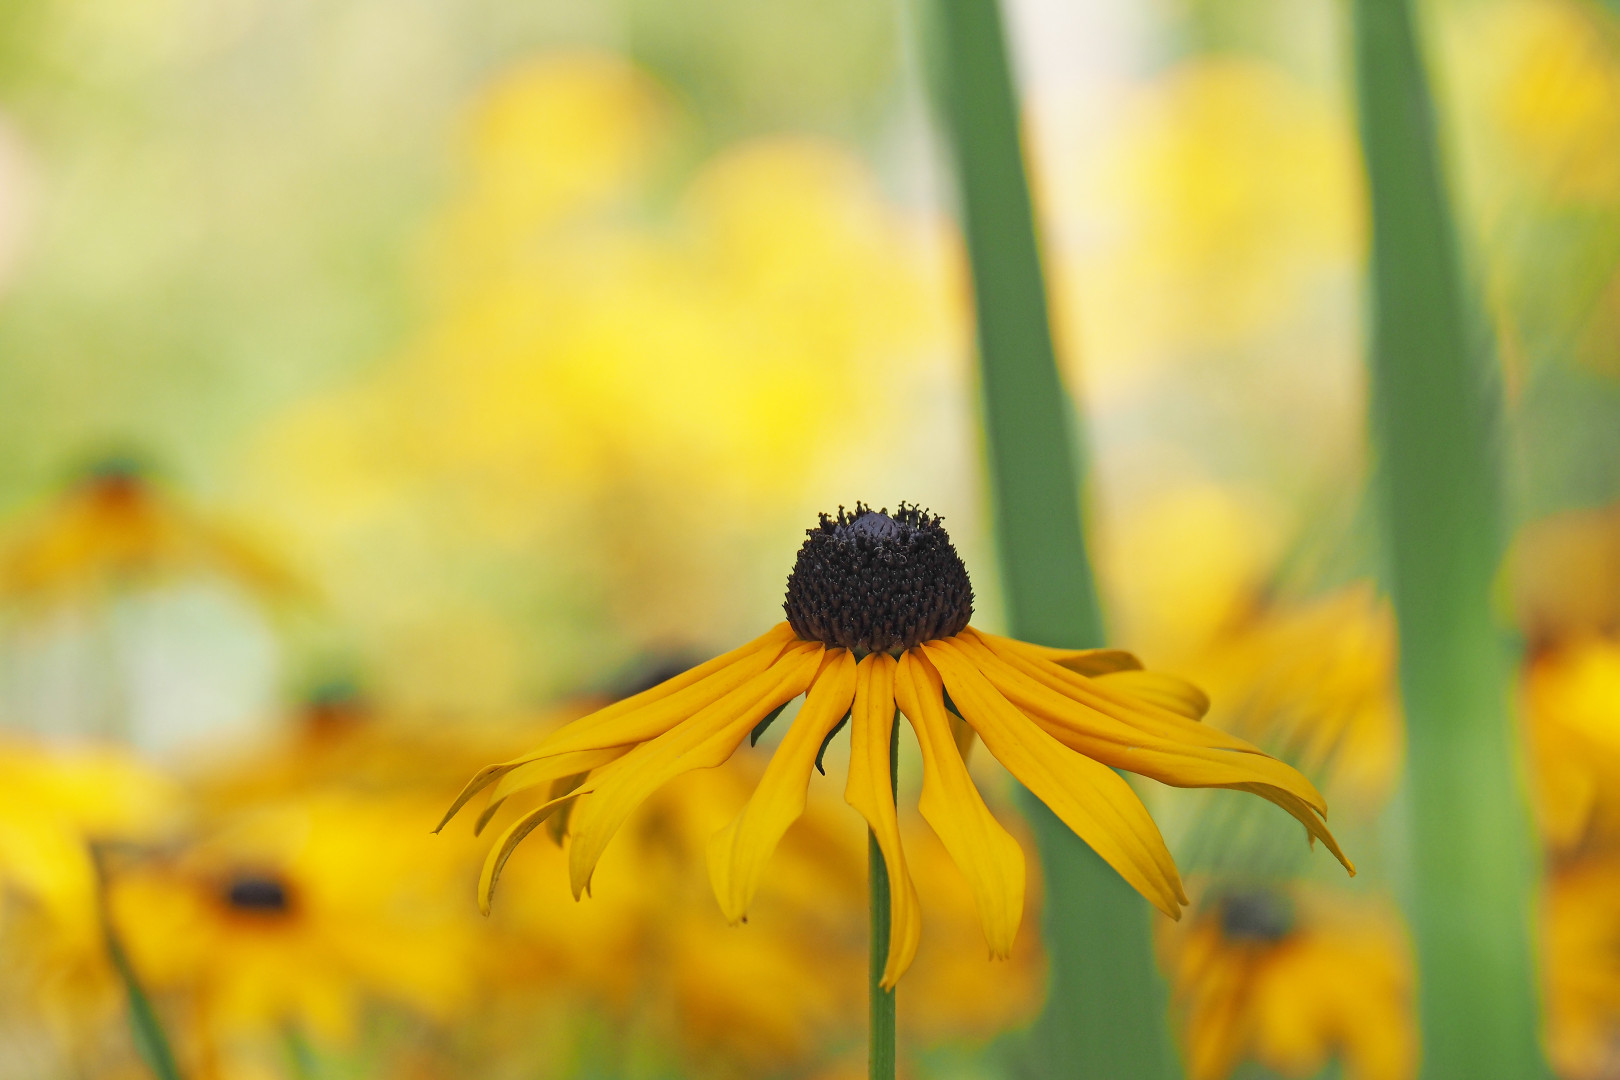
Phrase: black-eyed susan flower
{"type": "Point", "coordinates": [296, 915]}
{"type": "Point", "coordinates": [878, 608]}
{"type": "Point", "coordinates": [1292, 980]}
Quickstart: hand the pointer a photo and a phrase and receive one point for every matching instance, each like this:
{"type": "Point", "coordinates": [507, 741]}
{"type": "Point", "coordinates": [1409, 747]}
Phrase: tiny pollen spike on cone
{"type": "Point", "coordinates": [878, 606]}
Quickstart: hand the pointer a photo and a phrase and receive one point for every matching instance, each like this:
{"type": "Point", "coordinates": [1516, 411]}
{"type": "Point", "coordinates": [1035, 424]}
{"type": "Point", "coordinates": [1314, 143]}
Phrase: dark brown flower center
{"type": "Point", "coordinates": [258, 893]}
{"type": "Point", "coordinates": [1257, 915]}
{"type": "Point", "coordinates": [872, 581]}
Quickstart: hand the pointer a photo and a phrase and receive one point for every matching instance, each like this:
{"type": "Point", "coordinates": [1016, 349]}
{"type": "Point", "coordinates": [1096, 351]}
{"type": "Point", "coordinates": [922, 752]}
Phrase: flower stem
{"type": "Point", "coordinates": [151, 1043]}
{"type": "Point", "coordinates": [880, 1059]}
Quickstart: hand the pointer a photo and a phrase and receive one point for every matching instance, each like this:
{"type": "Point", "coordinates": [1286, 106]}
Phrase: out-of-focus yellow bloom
{"type": "Point", "coordinates": [1229, 197]}
{"type": "Point", "coordinates": [1292, 981]}
{"type": "Point", "coordinates": [608, 348]}
{"type": "Point", "coordinates": [1310, 681]}
{"type": "Point", "coordinates": [551, 140]}
{"type": "Point", "coordinates": [1572, 701]}
{"type": "Point", "coordinates": [945, 1002]}
{"type": "Point", "coordinates": [295, 915]}
{"type": "Point", "coordinates": [1564, 577]}
{"type": "Point", "coordinates": [892, 590]}
{"type": "Point", "coordinates": [1176, 596]}
{"type": "Point", "coordinates": [1581, 956]}
{"type": "Point", "coordinates": [116, 528]}
{"type": "Point", "coordinates": [54, 804]}
{"type": "Point", "coordinates": [1550, 72]}
{"type": "Point", "coordinates": [338, 739]}
{"type": "Point", "coordinates": [652, 953]}
{"type": "Point", "coordinates": [655, 955]}
{"type": "Point", "coordinates": [1315, 684]}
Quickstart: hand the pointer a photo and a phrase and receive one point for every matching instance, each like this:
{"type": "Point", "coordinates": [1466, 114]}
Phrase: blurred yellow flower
{"type": "Point", "coordinates": [294, 915]}
{"type": "Point", "coordinates": [1550, 71]}
{"type": "Point", "coordinates": [1581, 959]}
{"type": "Point", "coordinates": [1293, 982]}
{"type": "Point", "coordinates": [551, 139]}
{"type": "Point", "coordinates": [608, 346]}
{"type": "Point", "coordinates": [1226, 202]}
{"type": "Point", "coordinates": [1563, 577]}
{"type": "Point", "coordinates": [1315, 684]}
{"type": "Point", "coordinates": [116, 527]}
{"type": "Point", "coordinates": [1176, 596]}
{"type": "Point", "coordinates": [54, 804]}
{"type": "Point", "coordinates": [878, 609]}
{"type": "Point", "coordinates": [653, 953]}
{"type": "Point", "coordinates": [339, 739]}
{"type": "Point", "coordinates": [1572, 702]}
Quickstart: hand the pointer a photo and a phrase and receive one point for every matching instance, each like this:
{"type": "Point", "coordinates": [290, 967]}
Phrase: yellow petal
{"type": "Point", "coordinates": [870, 791]}
{"type": "Point", "coordinates": [1305, 814]}
{"type": "Point", "coordinates": [534, 773]}
{"type": "Point", "coordinates": [1166, 691]}
{"type": "Point", "coordinates": [1089, 797]}
{"type": "Point", "coordinates": [645, 715]}
{"type": "Point", "coordinates": [961, 734]}
{"type": "Point", "coordinates": [703, 741]}
{"type": "Point", "coordinates": [1023, 683]}
{"type": "Point", "coordinates": [642, 717]}
{"type": "Point", "coordinates": [1167, 760]}
{"type": "Point", "coordinates": [495, 861]}
{"type": "Point", "coordinates": [1084, 661]}
{"type": "Point", "coordinates": [557, 824]}
{"type": "Point", "coordinates": [1163, 759]}
{"type": "Point", "coordinates": [984, 851]}
{"type": "Point", "coordinates": [1097, 695]}
{"type": "Point", "coordinates": [738, 852]}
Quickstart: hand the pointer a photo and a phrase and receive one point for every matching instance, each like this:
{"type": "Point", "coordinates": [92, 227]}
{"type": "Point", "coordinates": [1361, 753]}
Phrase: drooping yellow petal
{"type": "Point", "coordinates": [738, 852]}
{"type": "Point", "coordinates": [1166, 691]}
{"type": "Point", "coordinates": [1097, 695]}
{"type": "Point", "coordinates": [1087, 796]}
{"type": "Point", "coordinates": [642, 717]}
{"type": "Point", "coordinates": [1305, 814]}
{"type": "Point", "coordinates": [961, 734]}
{"type": "Point", "coordinates": [645, 715]}
{"type": "Point", "coordinates": [557, 824]}
{"type": "Point", "coordinates": [870, 791]}
{"type": "Point", "coordinates": [1166, 760]}
{"type": "Point", "coordinates": [702, 741]}
{"type": "Point", "coordinates": [1020, 680]}
{"type": "Point", "coordinates": [534, 773]}
{"type": "Point", "coordinates": [1090, 662]}
{"type": "Point", "coordinates": [514, 835]}
{"type": "Point", "coordinates": [984, 851]}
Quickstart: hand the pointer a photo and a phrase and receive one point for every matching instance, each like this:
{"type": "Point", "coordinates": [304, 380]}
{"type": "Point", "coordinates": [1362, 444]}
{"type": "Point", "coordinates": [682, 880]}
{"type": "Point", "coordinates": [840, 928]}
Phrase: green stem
{"type": "Point", "coordinates": [1435, 411]}
{"type": "Point", "coordinates": [150, 1041]}
{"type": "Point", "coordinates": [1105, 1014]}
{"type": "Point", "coordinates": [880, 1057]}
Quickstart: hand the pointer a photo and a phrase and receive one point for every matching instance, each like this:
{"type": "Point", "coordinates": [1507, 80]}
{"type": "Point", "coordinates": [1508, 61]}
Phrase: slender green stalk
{"type": "Point", "coordinates": [150, 1041]}
{"type": "Point", "coordinates": [1105, 1014]}
{"type": "Point", "coordinates": [1434, 409]}
{"type": "Point", "coordinates": [880, 1056]}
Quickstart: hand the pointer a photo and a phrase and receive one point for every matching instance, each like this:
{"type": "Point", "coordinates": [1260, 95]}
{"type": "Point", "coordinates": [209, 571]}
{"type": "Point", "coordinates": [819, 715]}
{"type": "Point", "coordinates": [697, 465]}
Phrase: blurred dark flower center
{"type": "Point", "coordinates": [1259, 915]}
{"type": "Point", "coordinates": [872, 581]}
{"type": "Point", "coordinates": [258, 893]}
